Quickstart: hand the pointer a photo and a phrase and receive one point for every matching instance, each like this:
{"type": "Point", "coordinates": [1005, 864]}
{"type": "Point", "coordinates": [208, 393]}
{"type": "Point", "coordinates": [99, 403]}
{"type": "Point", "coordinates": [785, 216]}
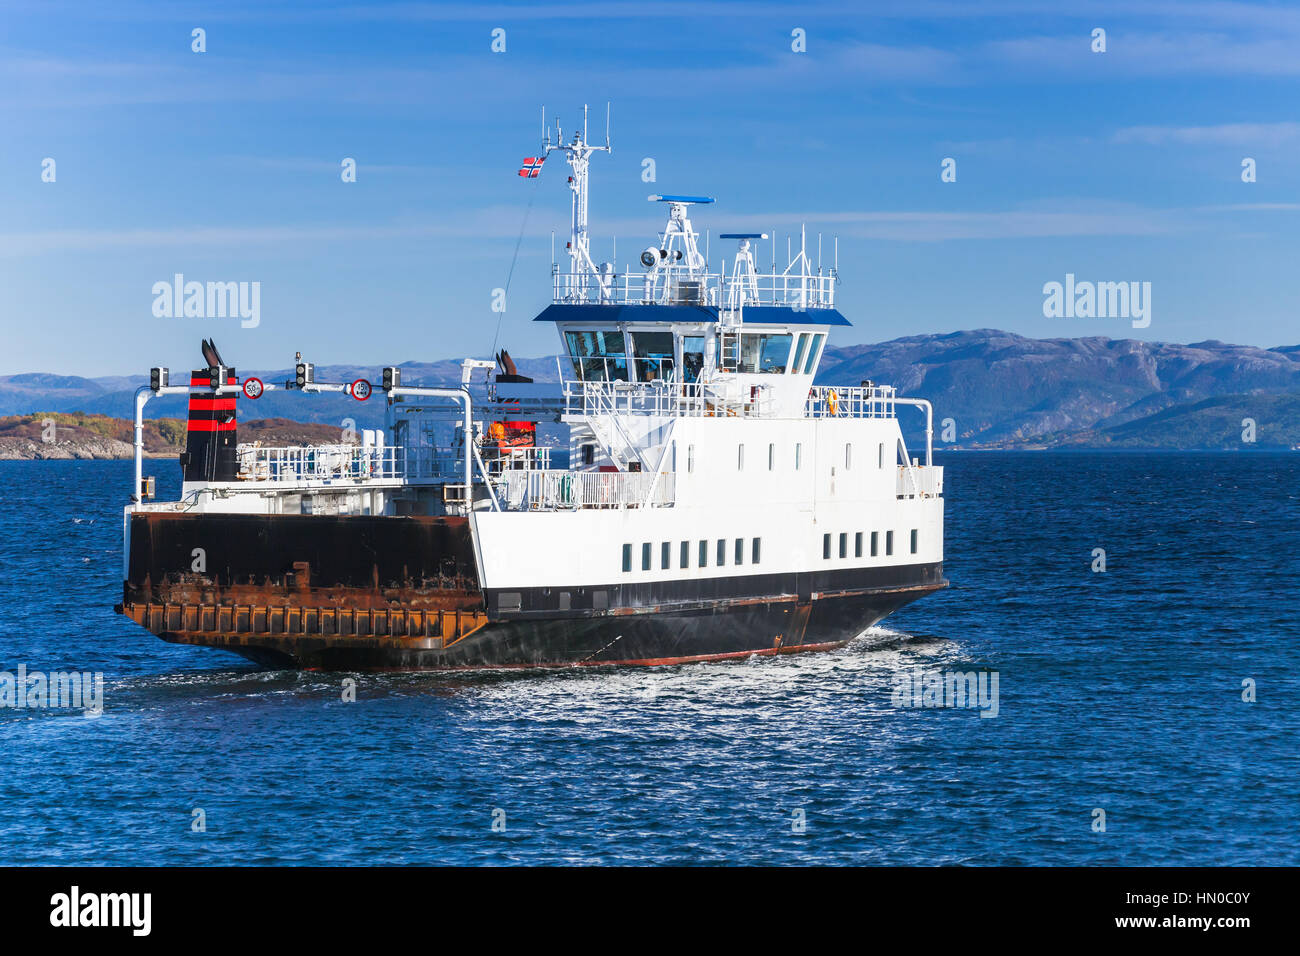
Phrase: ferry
{"type": "Point", "coordinates": [711, 501]}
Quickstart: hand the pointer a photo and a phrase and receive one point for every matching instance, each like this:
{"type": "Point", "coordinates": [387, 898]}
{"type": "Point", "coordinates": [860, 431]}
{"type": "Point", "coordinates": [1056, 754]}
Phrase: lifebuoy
{"type": "Point", "coordinates": [833, 402]}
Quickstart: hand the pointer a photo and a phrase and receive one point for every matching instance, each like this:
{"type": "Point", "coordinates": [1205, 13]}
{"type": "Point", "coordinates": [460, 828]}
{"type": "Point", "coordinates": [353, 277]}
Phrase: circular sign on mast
{"type": "Point", "coordinates": [253, 388]}
{"type": "Point", "coordinates": [360, 389]}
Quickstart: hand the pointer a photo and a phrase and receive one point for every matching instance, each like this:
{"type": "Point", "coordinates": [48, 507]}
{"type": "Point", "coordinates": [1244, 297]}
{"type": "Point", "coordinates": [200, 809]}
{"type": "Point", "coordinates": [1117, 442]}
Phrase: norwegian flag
{"type": "Point", "coordinates": [532, 166]}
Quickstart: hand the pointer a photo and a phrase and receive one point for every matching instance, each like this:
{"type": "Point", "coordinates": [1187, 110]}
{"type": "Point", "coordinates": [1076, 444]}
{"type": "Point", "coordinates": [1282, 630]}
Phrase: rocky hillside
{"type": "Point", "coordinates": [61, 435]}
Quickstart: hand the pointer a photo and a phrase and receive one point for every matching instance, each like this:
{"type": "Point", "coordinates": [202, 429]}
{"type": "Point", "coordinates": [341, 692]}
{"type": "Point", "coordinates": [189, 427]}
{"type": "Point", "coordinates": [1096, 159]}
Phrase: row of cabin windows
{"type": "Point", "coordinates": [618, 355]}
{"type": "Point", "coordinates": [737, 551]}
{"type": "Point", "coordinates": [858, 542]}
{"type": "Point", "coordinates": [771, 456]}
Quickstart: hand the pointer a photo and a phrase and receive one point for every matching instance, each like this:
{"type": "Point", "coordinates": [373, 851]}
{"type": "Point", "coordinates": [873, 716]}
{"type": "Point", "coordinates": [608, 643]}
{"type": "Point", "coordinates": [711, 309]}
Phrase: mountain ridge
{"type": "Point", "coordinates": [990, 389]}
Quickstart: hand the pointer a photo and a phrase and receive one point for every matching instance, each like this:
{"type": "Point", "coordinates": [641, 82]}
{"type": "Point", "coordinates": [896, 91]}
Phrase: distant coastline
{"type": "Point", "coordinates": [60, 436]}
{"type": "Point", "coordinates": [991, 391]}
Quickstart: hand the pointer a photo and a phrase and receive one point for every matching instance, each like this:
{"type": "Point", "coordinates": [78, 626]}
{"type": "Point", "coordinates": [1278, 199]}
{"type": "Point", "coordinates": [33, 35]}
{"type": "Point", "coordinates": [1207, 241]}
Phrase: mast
{"type": "Point", "coordinates": [583, 269]}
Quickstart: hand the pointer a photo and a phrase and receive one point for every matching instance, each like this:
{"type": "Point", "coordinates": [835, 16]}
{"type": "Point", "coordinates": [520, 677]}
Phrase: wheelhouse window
{"type": "Point", "coordinates": [692, 357]}
{"type": "Point", "coordinates": [599, 355]}
{"type": "Point", "coordinates": [764, 354]}
{"type": "Point", "coordinates": [800, 349]}
{"type": "Point", "coordinates": [813, 348]}
{"type": "Point", "coordinates": [652, 355]}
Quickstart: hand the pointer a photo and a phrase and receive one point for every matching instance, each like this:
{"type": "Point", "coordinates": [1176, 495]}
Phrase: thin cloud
{"type": "Point", "coordinates": [1225, 134]}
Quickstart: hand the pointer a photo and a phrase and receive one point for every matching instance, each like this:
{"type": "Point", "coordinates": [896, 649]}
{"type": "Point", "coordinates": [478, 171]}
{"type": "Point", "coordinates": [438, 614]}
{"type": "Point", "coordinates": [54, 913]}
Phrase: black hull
{"type": "Point", "coordinates": [375, 593]}
{"type": "Point", "coordinates": [649, 639]}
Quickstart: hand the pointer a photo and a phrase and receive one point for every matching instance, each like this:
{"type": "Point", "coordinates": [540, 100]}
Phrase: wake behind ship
{"type": "Point", "coordinates": [714, 504]}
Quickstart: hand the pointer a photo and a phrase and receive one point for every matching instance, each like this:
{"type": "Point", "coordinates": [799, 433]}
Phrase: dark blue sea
{"type": "Point", "coordinates": [1119, 691]}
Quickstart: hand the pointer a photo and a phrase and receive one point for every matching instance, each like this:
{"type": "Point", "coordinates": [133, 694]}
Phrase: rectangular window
{"type": "Point", "coordinates": [798, 455]}
{"type": "Point", "coordinates": [764, 354]}
{"type": "Point", "coordinates": [686, 554]}
{"type": "Point", "coordinates": [857, 545]}
{"type": "Point", "coordinates": [826, 546]}
{"type": "Point", "coordinates": [666, 555]}
{"type": "Point", "coordinates": [801, 345]}
{"type": "Point", "coordinates": [844, 544]}
{"type": "Point", "coordinates": [771, 457]}
{"type": "Point", "coordinates": [704, 554]}
{"type": "Point", "coordinates": [740, 457]}
{"type": "Point", "coordinates": [598, 356]}
{"type": "Point", "coordinates": [740, 551]}
{"type": "Point", "coordinates": [812, 353]}
{"type": "Point", "coordinates": [645, 556]}
{"type": "Point", "coordinates": [653, 355]}
{"type": "Point", "coordinates": [875, 543]}
{"type": "Point", "coordinates": [722, 552]}
{"type": "Point", "coordinates": [756, 551]}
{"type": "Point", "coordinates": [588, 454]}
{"type": "Point", "coordinates": [889, 542]}
{"type": "Point", "coordinates": [914, 541]}
{"type": "Point", "coordinates": [627, 557]}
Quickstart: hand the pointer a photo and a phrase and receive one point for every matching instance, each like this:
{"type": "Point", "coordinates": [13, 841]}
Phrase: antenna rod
{"type": "Point", "coordinates": [607, 126]}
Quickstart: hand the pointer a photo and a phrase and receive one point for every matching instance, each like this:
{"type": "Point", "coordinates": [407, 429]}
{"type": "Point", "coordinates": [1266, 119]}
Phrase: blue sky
{"type": "Point", "coordinates": [224, 166]}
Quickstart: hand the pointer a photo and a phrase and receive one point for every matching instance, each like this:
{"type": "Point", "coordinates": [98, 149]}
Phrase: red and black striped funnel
{"type": "Point", "coordinates": [210, 433]}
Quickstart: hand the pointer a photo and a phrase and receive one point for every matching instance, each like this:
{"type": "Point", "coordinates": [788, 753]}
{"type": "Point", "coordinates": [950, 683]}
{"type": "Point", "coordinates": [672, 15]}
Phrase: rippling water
{"type": "Point", "coordinates": [1119, 691]}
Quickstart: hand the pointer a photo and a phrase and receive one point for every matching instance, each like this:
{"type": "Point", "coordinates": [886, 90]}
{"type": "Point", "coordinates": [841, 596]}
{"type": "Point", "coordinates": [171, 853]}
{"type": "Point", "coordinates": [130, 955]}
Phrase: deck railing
{"type": "Point", "coordinates": [920, 481]}
{"type": "Point", "coordinates": [670, 399]}
{"type": "Point", "coordinates": [855, 401]}
{"type": "Point", "coordinates": [557, 490]}
{"type": "Point", "coordinates": [678, 287]}
{"type": "Point", "coordinates": [306, 463]}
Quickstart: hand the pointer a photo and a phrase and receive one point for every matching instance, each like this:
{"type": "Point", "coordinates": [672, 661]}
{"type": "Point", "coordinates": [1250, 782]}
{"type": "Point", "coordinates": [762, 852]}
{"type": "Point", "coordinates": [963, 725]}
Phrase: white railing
{"type": "Point", "coordinates": [923, 481]}
{"type": "Point", "coordinates": [305, 463]}
{"type": "Point", "coordinates": [560, 490]}
{"type": "Point", "coordinates": [668, 399]}
{"type": "Point", "coordinates": [678, 287]}
{"type": "Point", "coordinates": [516, 459]}
{"type": "Point", "coordinates": [317, 462]}
{"type": "Point", "coordinates": [857, 401]}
